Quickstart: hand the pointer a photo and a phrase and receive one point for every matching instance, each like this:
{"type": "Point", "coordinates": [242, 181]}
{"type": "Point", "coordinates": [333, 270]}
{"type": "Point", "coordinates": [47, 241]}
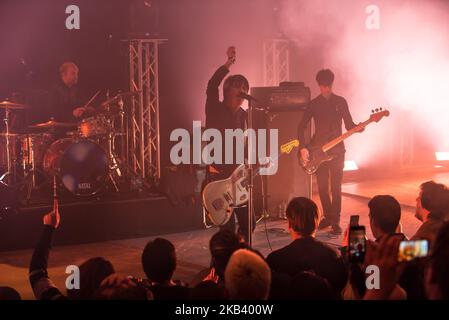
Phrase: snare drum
{"type": "Point", "coordinates": [94, 126]}
{"type": "Point", "coordinates": [81, 164]}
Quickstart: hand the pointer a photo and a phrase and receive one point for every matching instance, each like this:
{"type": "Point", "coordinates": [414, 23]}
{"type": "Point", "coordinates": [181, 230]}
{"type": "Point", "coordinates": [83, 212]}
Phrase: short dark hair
{"type": "Point", "coordinates": [92, 272]}
{"type": "Point", "coordinates": [385, 211]}
{"type": "Point", "coordinates": [434, 197]}
{"type": "Point", "coordinates": [303, 215]}
{"type": "Point", "coordinates": [159, 260]}
{"type": "Point", "coordinates": [440, 261]}
{"type": "Point", "coordinates": [222, 245]}
{"type": "Point", "coordinates": [235, 80]}
{"type": "Point", "coordinates": [8, 293]}
{"type": "Point", "coordinates": [325, 77]}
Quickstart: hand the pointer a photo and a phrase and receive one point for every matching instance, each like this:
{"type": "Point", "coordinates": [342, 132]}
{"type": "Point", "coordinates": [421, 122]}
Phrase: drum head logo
{"type": "Point", "coordinates": [84, 186]}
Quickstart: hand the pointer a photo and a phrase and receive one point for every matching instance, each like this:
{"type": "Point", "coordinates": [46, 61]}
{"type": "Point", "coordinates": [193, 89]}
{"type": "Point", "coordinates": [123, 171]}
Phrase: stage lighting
{"type": "Point", "coordinates": [350, 165]}
{"type": "Point", "coordinates": [442, 156]}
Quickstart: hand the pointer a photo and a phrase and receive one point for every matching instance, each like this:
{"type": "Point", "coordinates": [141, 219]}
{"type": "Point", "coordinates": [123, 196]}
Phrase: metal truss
{"type": "Point", "coordinates": [276, 61]}
{"type": "Point", "coordinates": [143, 135]}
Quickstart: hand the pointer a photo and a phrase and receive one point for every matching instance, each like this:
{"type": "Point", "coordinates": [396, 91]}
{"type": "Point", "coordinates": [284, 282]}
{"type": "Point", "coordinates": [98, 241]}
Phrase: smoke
{"type": "Point", "coordinates": [404, 66]}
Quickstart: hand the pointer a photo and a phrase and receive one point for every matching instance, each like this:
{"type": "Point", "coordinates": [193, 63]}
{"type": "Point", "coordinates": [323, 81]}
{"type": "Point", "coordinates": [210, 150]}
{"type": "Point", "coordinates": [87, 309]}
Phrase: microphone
{"type": "Point", "coordinates": [247, 96]}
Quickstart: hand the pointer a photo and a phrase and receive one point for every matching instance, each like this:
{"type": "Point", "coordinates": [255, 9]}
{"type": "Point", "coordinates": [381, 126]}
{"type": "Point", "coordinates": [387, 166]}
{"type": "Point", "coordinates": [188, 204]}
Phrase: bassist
{"type": "Point", "coordinates": [328, 110]}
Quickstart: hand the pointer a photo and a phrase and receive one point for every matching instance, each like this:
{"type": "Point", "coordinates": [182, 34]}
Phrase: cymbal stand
{"type": "Point", "coordinates": [114, 167]}
{"type": "Point", "coordinates": [113, 164]}
{"type": "Point", "coordinates": [4, 179]}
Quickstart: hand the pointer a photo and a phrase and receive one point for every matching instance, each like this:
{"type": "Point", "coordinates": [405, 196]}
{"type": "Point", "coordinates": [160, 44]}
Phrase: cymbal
{"type": "Point", "coordinates": [53, 124]}
{"type": "Point", "coordinates": [4, 134]}
{"type": "Point", "coordinates": [12, 105]}
{"type": "Point", "coordinates": [118, 96]}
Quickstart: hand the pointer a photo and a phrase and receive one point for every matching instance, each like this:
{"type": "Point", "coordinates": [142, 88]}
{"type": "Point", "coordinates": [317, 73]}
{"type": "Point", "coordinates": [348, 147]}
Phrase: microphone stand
{"type": "Point", "coordinates": [250, 100]}
{"type": "Point", "coordinates": [250, 174]}
{"type": "Point", "coordinates": [250, 186]}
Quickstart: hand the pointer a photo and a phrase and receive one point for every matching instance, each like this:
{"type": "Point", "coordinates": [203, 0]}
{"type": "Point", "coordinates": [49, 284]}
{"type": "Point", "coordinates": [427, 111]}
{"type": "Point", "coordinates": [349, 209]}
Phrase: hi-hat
{"type": "Point", "coordinates": [53, 124]}
{"type": "Point", "coordinates": [12, 105]}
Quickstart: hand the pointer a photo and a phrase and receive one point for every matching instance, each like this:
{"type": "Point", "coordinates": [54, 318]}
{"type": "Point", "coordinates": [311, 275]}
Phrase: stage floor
{"type": "Point", "coordinates": [192, 247]}
{"type": "Point", "coordinates": [404, 186]}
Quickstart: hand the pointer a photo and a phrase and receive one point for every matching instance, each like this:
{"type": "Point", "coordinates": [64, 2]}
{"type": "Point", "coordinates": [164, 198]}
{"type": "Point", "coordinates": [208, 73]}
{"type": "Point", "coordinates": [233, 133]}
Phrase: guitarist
{"type": "Point", "coordinates": [227, 114]}
{"type": "Point", "coordinates": [328, 110]}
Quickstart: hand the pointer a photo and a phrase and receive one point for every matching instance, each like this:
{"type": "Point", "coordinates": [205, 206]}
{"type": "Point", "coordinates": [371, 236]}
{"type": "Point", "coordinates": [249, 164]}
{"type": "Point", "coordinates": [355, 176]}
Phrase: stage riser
{"type": "Point", "coordinates": [95, 222]}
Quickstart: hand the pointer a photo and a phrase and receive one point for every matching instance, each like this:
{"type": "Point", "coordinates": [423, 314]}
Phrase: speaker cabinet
{"type": "Point", "coordinates": [290, 180]}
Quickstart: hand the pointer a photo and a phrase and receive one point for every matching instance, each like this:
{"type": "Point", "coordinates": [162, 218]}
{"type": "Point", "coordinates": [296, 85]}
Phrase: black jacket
{"type": "Point", "coordinates": [309, 254]}
{"type": "Point", "coordinates": [61, 102]}
{"type": "Point", "coordinates": [328, 116]}
{"type": "Point", "coordinates": [218, 116]}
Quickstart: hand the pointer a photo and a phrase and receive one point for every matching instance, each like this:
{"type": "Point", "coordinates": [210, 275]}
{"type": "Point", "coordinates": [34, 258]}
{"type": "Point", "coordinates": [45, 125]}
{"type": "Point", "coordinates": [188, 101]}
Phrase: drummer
{"type": "Point", "coordinates": [65, 103]}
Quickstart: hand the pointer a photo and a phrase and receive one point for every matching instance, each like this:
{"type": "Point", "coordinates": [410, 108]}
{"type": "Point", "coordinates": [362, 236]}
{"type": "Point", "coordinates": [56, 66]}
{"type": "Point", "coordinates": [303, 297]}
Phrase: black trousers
{"type": "Point", "coordinates": [241, 215]}
{"type": "Point", "coordinates": [329, 178]}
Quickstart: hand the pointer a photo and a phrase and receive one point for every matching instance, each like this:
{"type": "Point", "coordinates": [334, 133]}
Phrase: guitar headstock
{"type": "Point", "coordinates": [378, 114]}
{"type": "Point", "coordinates": [288, 147]}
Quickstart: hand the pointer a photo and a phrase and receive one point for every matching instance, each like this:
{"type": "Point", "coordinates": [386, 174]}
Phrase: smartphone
{"type": "Point", "coordinates": [357, 244]}
{"type": "Point", "coordinates": [354, 221]}
{"type": "Point", "coordinates": [412, 249]}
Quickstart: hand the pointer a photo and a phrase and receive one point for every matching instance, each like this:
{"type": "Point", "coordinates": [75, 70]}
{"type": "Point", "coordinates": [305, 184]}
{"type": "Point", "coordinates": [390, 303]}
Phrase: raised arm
{"type": "Point", "coordinates": [214, 82]}
{"type": "Point", "coordinates": [42, 286]}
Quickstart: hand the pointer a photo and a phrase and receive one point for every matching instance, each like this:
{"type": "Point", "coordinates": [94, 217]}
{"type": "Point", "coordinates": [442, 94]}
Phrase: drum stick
{"type": "Point", "coordinates": [91, 99]}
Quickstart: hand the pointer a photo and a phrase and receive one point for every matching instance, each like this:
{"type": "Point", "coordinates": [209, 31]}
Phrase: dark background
{"type": "Point", "coordinates": [34, 42]}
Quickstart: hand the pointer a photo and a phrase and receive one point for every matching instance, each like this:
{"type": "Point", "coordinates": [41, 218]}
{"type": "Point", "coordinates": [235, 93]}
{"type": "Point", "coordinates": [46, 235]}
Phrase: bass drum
{"type": "Point", "coordinates": [82, 165]}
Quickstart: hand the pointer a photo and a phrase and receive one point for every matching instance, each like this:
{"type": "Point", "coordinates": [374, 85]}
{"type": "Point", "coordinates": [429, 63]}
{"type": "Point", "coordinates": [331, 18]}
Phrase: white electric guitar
{"type": "Point", "coordinates": [222, 196]}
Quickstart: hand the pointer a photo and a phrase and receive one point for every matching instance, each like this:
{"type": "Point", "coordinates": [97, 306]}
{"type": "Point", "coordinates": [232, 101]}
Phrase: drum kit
{"type": "Point", "coordinates": [83, 159]}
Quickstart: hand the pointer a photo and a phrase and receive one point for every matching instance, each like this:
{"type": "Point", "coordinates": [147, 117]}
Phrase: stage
{"type": "Point", "coordinates": [94, 220]}
{"type": "Point", "coordinates": [192, 246]}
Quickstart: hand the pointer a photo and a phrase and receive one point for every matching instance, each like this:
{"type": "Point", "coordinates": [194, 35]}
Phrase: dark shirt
{"type": "Point", "coordinates": [429, 229]}
{"type": "Point", "coordinates": [328, 115]}
{"type": "Point", "coordinates": [61, 102]}
{"type": "Point", "coordinates": [219, 116]}
{"type": "Point", "coordinates": [309, 254]}
{"type": "Point", "coordinates": [43, 287]}
{"type": "Point", "coordinates": [411, 279]}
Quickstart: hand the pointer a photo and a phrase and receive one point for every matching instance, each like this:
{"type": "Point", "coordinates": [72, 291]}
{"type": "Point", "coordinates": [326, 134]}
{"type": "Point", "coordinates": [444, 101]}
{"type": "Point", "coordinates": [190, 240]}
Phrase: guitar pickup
{"type": "Point", "coordinates": [227, 197]}
{"type": "Point", "coordinates": [218, 204]}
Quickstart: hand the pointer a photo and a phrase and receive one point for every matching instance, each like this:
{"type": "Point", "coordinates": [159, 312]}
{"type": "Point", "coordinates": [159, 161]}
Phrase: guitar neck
{"type": "Point", "coordinates": [345, 135]}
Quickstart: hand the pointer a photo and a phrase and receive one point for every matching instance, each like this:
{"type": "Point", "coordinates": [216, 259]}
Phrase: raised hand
{"type": "Point", "coordinates": [118, 280]}
{"type": "Point", "coordinates": [53, 218]}
{"type": "Point", "coordinates": [212, 276]}
{"type": "Point", "coordinates": [385, 256]}
{"type": "Point", "coordinates": [231, 54]}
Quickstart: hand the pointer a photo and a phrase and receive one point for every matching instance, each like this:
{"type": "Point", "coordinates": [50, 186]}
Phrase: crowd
{"type": "Point", "coordinates": [305, 269]}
